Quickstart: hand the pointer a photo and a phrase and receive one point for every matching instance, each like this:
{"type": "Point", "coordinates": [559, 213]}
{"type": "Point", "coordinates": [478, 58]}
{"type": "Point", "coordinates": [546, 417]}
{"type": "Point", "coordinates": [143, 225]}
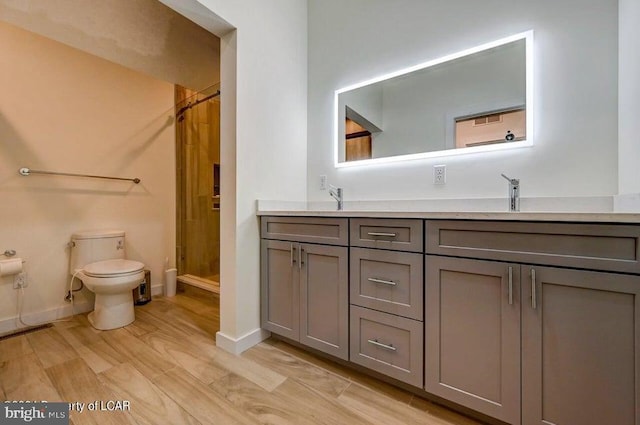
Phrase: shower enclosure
{"type": "Point", "coordinates": [198, 187]}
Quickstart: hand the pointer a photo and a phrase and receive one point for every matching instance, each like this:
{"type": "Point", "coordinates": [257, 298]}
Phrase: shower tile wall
{"type": "Point", "coordinates": [198, 149]}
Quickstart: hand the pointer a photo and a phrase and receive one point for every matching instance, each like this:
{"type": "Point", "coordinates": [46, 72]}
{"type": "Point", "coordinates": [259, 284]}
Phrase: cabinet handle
{"type": "Point", "coordinates": [381, 345]}
{"type": "Point", "coordinates": [534, 301]}
{"type": "Point", "coordinates": [301, 262]}
{"type": "Point", "coordinates": [386, 282]}
{"type": "Point", "coordinates": [510, 285]}
{"type": "Point", "coordinates": [291, 260]}
{"type": "Point", "coordinates": [390, 235]}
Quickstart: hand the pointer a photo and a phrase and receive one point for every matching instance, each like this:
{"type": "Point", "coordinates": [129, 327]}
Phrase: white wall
{"type": "Point", "coordinates": [263, 138]}
{"type": "Point", "coordinates": [64, 110]}
{"type": "Point", "coordinates": [629, 97]}
{"type": "Point", "coordinates": [575, 53]}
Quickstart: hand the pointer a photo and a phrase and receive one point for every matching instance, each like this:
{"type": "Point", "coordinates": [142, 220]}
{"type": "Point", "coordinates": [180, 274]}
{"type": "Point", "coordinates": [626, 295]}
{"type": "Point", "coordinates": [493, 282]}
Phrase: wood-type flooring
{"type": "Point", "coordinates": [166, 365]}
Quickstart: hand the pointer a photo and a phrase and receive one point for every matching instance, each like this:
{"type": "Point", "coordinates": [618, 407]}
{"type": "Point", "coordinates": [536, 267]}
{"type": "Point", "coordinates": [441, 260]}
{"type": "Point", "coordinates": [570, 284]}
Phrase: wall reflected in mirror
{"type": "Point", "coordinates": [471, 101]}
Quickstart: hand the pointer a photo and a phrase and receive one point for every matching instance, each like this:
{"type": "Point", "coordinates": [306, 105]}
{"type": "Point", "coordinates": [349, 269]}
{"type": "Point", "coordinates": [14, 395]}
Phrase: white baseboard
{"type": "Point", "coordinates": [238, 345]}
{"type": "Point", "coordinates": [12, 324]}
{"type": "Point", "coordinates": [157, 290]}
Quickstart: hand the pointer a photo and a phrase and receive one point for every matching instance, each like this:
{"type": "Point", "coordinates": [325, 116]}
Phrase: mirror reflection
{"type": "Point", "coordinates": [471, 102]}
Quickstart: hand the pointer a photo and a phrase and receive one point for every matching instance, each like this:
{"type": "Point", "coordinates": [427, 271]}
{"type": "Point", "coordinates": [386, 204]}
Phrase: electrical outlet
{"type": "Point", "coordinates": [323, 182]}
{"type": "Point", "coordinates": [439, 174]}
{"type": "Point", "coordinates": [20, 280]}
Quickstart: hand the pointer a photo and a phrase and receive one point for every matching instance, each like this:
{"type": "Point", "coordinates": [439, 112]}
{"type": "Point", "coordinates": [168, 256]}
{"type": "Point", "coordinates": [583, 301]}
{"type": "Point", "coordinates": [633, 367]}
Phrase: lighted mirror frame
{"type": "Point", "coordinates": [527, 36]}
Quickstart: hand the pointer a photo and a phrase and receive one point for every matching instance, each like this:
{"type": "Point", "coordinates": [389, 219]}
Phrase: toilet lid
{"type": "Point", "coordinates": [113, 268]}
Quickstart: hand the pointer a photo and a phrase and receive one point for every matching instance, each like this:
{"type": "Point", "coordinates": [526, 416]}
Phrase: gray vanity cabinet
{"type": "Point", "coordinates": [472, 334]}
{"type": "Point", "coordinates": [579, 332]}
{"type": "Point", "coordinates": [305, 285]}
{"type": "Point", "coordinates": [580, 347]}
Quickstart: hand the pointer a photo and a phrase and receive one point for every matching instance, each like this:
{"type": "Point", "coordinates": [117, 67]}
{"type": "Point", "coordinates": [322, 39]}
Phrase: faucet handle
{"type": "Point", "coordinates": [512, 181]}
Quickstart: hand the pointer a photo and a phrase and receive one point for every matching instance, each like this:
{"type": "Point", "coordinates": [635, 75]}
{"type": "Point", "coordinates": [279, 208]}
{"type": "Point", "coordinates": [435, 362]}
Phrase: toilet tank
{"type": "Point", "coordinates": [95, 245]}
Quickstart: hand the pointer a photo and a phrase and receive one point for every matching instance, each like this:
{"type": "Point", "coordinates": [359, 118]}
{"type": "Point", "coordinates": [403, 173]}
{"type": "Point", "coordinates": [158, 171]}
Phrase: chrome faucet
{"type": "Point", "coordinates": [336, 192]}
{"type": "Point", "coordinates": [514, 194]}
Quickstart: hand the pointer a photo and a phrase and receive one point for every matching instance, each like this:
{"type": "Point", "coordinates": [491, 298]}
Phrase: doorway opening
{"type": "Point", "coordinates": [198, 187]}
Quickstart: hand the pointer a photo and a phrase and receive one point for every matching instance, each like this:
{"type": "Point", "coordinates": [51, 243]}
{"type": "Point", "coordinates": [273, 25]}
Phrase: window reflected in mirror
{"type": "Point", "coordinates": [492, 128]}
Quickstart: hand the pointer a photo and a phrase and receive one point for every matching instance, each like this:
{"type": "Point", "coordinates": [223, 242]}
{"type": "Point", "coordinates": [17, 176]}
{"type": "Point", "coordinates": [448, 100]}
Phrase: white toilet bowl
{"type": "Point", "coordinates": [112, 282]}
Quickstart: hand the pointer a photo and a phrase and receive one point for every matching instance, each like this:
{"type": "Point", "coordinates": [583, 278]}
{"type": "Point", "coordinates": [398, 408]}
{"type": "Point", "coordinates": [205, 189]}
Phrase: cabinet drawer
{"type": "Point", "coordinates": [328, 231]}
{"type": "Point", "coordinates": [388, 281]}
{"type": "Point", "coordinates": [402, 235]}
{"type": "Point", "coordinates": [388, 344]}
{"type": "Point", "coordinates": [586, 246]}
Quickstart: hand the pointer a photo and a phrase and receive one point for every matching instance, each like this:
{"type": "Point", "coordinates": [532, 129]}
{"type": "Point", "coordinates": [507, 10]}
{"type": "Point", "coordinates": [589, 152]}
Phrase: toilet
{"type": "Point", "coordinates": [98, 260]}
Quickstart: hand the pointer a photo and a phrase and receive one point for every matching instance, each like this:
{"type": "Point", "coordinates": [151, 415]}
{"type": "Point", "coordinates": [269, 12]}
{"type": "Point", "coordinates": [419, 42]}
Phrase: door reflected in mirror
{"type": "Point", "coordinates": [471, 101]}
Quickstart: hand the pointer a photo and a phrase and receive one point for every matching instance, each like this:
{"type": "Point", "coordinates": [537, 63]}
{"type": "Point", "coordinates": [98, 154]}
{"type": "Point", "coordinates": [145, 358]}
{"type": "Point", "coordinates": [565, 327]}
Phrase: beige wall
{"type": "Point", "coordinates": [143, 35]}
{"type": "Point", "coordinates": [64, 110]}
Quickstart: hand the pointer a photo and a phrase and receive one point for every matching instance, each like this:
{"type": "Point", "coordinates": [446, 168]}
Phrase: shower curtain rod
{"type": "Point", "coordinates": [190, 105]}
{"type": "Point", "coordinates": [27, 171]}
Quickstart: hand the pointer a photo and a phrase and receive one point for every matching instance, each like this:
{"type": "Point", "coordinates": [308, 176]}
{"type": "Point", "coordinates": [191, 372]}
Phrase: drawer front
{"type": "Point", "coordinates": [588, 246]}
{"type": "Point", "coordinates": [328, 231]}
{"type": "Point", "coordinates": [388, 344]}
{"type": "Point", "coordinates": [400, 234]}
{"type": "Point", "coordinates": [388, 281]}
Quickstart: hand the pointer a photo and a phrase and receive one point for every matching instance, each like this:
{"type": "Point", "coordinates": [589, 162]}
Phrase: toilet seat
{"type": "Point", "coordinates": [113, 268]}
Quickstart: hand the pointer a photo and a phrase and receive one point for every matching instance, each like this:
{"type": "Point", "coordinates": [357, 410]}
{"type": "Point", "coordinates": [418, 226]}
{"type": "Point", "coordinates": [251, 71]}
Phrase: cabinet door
{"type": "Point", "coordinates": [580, 347]}
{"type": "Point", "coordinates": [280, 312]}
{"type": "Point", "coordinates": [472, 334]}
{"type": "Point", "coordinates": [324, 298]}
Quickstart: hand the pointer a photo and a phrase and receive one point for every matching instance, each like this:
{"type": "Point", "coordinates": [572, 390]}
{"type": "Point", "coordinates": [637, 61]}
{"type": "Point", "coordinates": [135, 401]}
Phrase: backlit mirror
{"type": "Point", "coordinates": [476, 100]}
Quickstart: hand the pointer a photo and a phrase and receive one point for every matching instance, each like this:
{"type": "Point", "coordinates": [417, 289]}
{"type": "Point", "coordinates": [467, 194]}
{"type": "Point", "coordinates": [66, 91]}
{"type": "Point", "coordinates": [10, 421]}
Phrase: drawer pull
{"type": "Point", "coordinates": [386, 282]}
{"type": "Point", "coordinates": [389, 235]}
{"type": "Point", "coordinates": [534, 300]}
{"type": "Point", "coordinates": [381, 345]}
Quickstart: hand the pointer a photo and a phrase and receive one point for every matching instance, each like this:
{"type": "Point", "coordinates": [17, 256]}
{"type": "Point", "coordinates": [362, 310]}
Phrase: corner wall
{"type": "Point", "coordinates": [263, 141]}
{"type": "Point", "coordinates": [575, 85]}
{"type": "Point", "coordinates": [64, 110]}
{"type": "Point", "coordinates": [629, 98]}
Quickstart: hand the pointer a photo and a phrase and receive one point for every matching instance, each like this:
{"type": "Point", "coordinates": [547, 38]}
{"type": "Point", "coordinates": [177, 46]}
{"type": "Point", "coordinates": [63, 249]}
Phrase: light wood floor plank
{"type": "Point", "coordinates": [199, 305]}
{"type": "Point", "coordinates": [199, 400]}
{"type": "Point", "coordinates": [165, 360]}
{"type": "Point", "coordinates": [76, 382]}
{"type": "Point", "coordinates": [80, 335]}
{"type": "Point", "coordinates": [343, 371]}
{"type": "Point", "coordinates": [149, 405]}
{"type": "Point", "coordinates": [185, 354]}
{"type": "Point", "coordinates": [379, 409]}
{"type": "Point", "coordinates": [14, 347]}
{"type": "Point", "coordinates": [100, 356]}
{"type": "Point", "coordinates": [140, 326]}
{"type": "Point", "coordinates": [288, 365]}
{"type": "Point", "coordinates": [148, 361]}
{"type": "Point", "coordinates": [24, 378]}
{"type": "Point", "coordinates": [50, 347]}
{"type": "Point", "coordinates": [447, 416]}
{"type": "Point", "coordinates": [290, 404]}
{"type": "Point", "coordinates": [263, 376]}
{"type": "Point", "coordinates": [187, 321]}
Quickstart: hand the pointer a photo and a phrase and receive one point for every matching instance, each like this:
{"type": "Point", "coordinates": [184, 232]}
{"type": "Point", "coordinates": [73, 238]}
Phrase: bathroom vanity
{"type": "Point", "coordinates": [525, 318]}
